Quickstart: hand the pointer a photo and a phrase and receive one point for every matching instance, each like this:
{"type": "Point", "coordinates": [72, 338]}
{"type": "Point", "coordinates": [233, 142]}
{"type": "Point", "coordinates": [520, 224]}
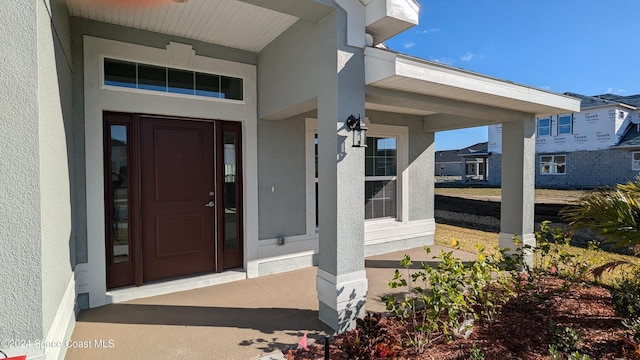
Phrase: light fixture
{"type": "Point", "coordinates": [359, 131]}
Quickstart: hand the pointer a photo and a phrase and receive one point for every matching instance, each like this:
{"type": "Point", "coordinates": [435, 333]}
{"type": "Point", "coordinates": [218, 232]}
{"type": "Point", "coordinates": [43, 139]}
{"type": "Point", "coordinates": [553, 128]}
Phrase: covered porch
{"type": "Point", "coordinates": [238, 320]}
{"type": "Point", "coordinates": [308, 196]}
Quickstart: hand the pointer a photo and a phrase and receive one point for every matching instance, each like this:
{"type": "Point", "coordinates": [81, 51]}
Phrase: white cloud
{"type": "Point", "coordinates": [612, 91]}
{"type": "Point", "coordinates": [443, 60]}
{"type": "Point", "coordinates": [468, 56]}
{"type": "Point", "coordinates": [426, 31]}
{"type": "Point", "coordinates": [545, 87]}
{"type": "Point", "coordinates": [409, 45]}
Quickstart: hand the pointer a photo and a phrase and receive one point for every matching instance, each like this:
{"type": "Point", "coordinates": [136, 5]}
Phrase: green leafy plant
{"type": "Point", "coordinates": [565, 339]}
{"type": "Point", "coordinates": [626, 296]}
{"type": "Point", "coordinates": [369, 340]}
{"type": "Point", "coordinates": [633, 325]}
{"type": "Point", "coordinates": [476, 353]}
{"type": "Point", "coordinates": [615, 214]}
{"type": "Point", "coordinates": [444, 301]}
{"type": "Point", "coordinates": [553, 247]}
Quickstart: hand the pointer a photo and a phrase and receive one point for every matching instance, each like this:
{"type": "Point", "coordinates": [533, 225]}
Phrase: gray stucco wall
{"type": "Point", "coordinates": [282, 177]}
{"type": "Point", "coordinates": [79, 28]}
{"type": "Point", "coordinates": [20, 241]}
{"type": "Point", "coordinates": [54, 90]}
{"type": "Point", "coordinates": [585, 169]}
{"type": "Point", "coordinates": [288, 71]}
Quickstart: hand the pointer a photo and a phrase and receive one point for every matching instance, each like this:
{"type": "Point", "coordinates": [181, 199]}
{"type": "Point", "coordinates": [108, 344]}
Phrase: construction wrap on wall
{"type": "Point", "coordinates": [591, 129]}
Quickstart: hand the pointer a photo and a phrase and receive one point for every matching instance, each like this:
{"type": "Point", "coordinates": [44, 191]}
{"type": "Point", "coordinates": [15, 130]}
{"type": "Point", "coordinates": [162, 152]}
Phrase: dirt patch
{"type": "Point", "coordinates": [484, 215]}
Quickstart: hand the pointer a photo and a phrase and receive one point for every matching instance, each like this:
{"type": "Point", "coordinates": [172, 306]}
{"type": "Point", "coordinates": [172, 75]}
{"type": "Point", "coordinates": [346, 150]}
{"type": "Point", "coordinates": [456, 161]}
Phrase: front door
{"type": "Point", "coordinates": [178, 191]}
{"type": "Point", "coordinates": [174, 197]}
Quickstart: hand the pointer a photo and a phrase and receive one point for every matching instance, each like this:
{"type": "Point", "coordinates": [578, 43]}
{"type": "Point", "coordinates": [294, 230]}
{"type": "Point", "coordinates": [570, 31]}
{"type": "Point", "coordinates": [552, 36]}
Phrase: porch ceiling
{"type": "Point", "coordinates": [229, 23]}
{"type": "Point", "coordinates": [425, 87]}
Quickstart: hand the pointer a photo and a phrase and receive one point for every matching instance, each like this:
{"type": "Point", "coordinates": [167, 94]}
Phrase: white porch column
{"type": "Point", "coordinates": [341, 281]}
{"type": "Point", "coordinates": [464, 169]}
{"type": "Point", "coordinates": [518, 185]}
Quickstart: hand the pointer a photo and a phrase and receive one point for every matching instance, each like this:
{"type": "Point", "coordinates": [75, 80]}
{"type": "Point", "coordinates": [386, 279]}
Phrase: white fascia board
{"type": "Point", "coordinates": [383, 64]}
{"type": "Point", "coordinates": [378, 65]}
{"type": "Point", "coordinates": [444, 75]}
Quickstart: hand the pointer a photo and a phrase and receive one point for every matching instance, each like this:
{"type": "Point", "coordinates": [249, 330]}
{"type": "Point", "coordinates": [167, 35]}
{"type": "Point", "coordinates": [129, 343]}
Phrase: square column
{"type": "Point", "coordinates": [341, 281]}
{"type": "Point", "coordinates": [464, 169]}
{"type": "Point", "coordinates": [518, 185]}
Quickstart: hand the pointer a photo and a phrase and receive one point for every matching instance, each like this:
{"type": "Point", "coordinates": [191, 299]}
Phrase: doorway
{"type": "Point", "coordinates": [173, 199]}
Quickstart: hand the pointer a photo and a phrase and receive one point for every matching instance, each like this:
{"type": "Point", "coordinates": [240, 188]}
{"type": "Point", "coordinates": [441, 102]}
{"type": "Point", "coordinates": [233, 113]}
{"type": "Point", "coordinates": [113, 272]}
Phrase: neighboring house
{"type": "Point", "coordinates": [473, 159]}
{"type": "Point", "coordinates": [598, 146]}
{"type": "Point", "coordinates": [228, 119]}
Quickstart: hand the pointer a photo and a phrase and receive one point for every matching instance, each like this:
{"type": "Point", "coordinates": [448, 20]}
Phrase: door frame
{"type": "Point", "coordinates": [133, 271]}
{"type": "Point", "coordinates": [90, 268]}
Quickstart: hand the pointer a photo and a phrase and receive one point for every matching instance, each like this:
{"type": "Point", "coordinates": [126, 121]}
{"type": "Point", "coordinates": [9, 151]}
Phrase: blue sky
{"type": "Point", "coordinates": [583, 46]}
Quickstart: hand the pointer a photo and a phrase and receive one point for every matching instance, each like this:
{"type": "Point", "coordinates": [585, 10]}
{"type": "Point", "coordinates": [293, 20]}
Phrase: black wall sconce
{"type": "Point", "coordinates": [359, 131]}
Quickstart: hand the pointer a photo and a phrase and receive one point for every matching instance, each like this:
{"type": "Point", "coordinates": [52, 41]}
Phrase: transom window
{"type": "Point", "coordinates": [553, 164]}
{"type": "Point", "coordinates": [544, 127]}
{"type": "Point", "coordinates": [135, 75]}
{"type": "Point", "coordinates": [380, 192]}
{"type": "Point", "coordinates": [565, 124]}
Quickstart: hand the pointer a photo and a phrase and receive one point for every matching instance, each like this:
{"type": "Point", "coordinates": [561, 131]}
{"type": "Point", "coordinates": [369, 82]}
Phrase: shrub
{"type": "Point", "coordinates": [626, 296]}
{"type": "Point", "coordinates": [445, 300]}
{"type": "Point", "coordinates": [633, 325]}
{"type": "Point", "coordinates": [369, 340]}
{"type": "Point", "coordinates": [565, 339]}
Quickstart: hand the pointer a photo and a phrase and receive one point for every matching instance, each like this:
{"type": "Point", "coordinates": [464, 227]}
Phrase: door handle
{"type": "Point", "coordinates": [209, 204]}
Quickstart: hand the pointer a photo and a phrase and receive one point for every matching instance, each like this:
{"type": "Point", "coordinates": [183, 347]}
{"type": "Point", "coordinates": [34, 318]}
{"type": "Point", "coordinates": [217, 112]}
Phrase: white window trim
{"type": "Point", "coordinates": [553, 161]}
{"type": "Point", "coordinates": [570, 116]}
{"type": "Point", "coordinates": [549, 126]}
{"type": "Point", "coordinates": [635, 164]}
{"type": "Point", "coordinates": [401, 133]}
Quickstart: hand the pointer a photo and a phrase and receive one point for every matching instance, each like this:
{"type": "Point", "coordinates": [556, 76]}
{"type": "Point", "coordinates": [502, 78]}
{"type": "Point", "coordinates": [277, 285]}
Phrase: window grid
{"type": "Point", "coordinates": [544, 127]}
{"type": "Point", "coordinates": [565, 124]}
{"type": "Point", "coordinates": [553, 165]}
{"type": "Point", "coordinates": [135, 75]}
{"type": "Point", "coordinates": [380, 177]}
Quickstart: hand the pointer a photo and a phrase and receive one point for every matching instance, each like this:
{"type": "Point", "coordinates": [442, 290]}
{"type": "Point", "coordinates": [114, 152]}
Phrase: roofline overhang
{"type": "Point", "coordinates": [391, 70]}
{"type": "Point", "coordinates": [630, 107]}
{"type": "Point", "coordinates": [482, 154]}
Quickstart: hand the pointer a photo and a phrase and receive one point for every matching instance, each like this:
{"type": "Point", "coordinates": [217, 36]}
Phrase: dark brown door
{"type": "Point", "coordinates": [177, 192]}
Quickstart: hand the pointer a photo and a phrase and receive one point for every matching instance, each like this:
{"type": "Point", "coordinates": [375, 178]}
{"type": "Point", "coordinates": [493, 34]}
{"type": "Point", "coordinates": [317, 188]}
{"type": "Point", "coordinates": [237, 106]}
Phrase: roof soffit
{"type": "Point", "coordinates": [230, 23]}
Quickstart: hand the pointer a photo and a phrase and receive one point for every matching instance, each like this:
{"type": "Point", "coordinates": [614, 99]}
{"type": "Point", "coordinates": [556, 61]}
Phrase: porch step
{"type": "Point", "coordinates": [171, 286]}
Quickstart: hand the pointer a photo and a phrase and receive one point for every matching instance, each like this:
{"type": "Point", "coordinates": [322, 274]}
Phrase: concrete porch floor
{"type": "Point", "coordinates": [238, 320]}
